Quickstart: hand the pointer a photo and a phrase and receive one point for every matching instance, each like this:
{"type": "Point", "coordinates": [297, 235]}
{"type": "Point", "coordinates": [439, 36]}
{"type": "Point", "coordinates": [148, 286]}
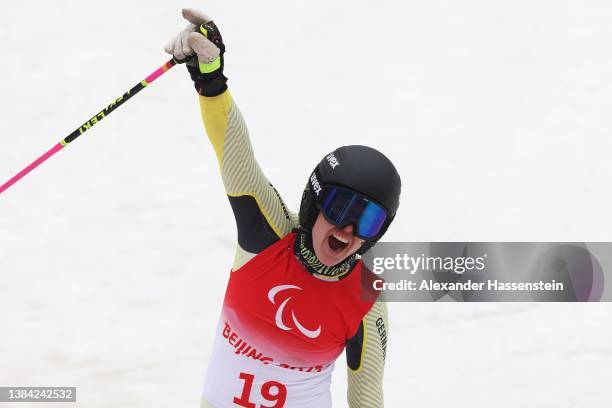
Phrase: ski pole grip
{"type": "Point", "coordinates": [179, 61]}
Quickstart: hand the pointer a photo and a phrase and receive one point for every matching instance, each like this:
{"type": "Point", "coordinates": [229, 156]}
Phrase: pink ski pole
{"type": "Point", "coordinates": [91, 122]}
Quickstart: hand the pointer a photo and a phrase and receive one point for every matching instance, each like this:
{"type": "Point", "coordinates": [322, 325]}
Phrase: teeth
{"type": "Point", "coordinates": [344, 241]}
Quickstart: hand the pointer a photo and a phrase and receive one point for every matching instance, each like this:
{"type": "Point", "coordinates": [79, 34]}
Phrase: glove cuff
{"type": "Point", "coordinates": [207, 84]}
{"type": "Point", "coordinates": [212, 87]}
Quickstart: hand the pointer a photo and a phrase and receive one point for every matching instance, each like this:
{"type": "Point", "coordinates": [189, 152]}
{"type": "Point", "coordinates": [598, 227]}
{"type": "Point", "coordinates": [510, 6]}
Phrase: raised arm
{"type": "Point", "coordinates": [365, 356]}
{"type": "Point", "coordinates": [261, 215]}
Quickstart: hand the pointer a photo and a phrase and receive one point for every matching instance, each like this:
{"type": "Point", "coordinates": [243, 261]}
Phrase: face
{"type": "Point", "coordinates": [332, 244]}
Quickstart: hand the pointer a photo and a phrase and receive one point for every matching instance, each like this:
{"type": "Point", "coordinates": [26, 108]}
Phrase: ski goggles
{"type": "Point", "coordinates": [342, 207]}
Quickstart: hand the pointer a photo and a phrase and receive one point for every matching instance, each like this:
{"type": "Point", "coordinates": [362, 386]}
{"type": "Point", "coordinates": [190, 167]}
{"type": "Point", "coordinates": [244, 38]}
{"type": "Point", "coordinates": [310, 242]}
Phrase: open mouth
{"type": "Point", "coordinates": [336, 243]}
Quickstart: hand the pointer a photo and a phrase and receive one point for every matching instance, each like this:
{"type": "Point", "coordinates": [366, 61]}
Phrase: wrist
{"type": "Point", "coordinates": [213, 87]}
{"type": "Point", "coordinates": [208, 80]}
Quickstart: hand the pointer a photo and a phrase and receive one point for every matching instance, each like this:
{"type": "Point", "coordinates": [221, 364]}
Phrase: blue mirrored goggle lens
{"type": "Point", "coordinates": [339, 205]}
{"type": "Point", "coordinates": [372, 220]}
{"type": "Point", "coordinates": [342, 207]}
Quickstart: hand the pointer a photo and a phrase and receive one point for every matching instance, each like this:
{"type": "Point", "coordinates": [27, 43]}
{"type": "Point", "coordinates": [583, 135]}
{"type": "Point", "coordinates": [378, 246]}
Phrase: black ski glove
{"type": "Point", "coordinates": [206, 66]}
{"type": "Point", "coordinates": [201, 46]}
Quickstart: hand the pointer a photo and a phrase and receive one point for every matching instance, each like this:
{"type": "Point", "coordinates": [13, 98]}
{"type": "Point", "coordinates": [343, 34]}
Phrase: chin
{"type": "Point", "coordinates": [331, 262]}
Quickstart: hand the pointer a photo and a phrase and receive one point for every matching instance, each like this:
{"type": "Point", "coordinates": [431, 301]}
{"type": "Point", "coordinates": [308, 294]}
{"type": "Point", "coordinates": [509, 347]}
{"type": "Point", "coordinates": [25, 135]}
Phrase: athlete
{"type": "Point", "coordinates": [295, 298]}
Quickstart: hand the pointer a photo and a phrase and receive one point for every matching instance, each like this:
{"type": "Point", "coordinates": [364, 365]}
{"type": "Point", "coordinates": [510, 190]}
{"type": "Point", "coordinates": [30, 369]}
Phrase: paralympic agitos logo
{"type": "Point", "coordinates": [280, 323]}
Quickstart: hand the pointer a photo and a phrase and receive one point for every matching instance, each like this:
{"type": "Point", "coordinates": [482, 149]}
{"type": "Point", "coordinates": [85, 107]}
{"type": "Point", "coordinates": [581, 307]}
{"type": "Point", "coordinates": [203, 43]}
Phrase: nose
{"type": "Point", "coordinates": [348, 229]}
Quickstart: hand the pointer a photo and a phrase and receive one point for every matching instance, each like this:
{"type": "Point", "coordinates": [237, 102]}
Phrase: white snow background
{"type": "Point", "coordinates": [114, 254]}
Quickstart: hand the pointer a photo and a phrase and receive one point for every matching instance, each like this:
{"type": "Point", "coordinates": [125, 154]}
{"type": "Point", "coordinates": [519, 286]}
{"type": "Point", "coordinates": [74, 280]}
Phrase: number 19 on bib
{"type": "Point", "coordinates": [272, 391]}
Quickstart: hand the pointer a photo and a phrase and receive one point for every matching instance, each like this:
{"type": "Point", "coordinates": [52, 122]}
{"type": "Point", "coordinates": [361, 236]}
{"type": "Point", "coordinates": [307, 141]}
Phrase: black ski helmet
{"type": "Point", "coordinates": [359, 168]}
